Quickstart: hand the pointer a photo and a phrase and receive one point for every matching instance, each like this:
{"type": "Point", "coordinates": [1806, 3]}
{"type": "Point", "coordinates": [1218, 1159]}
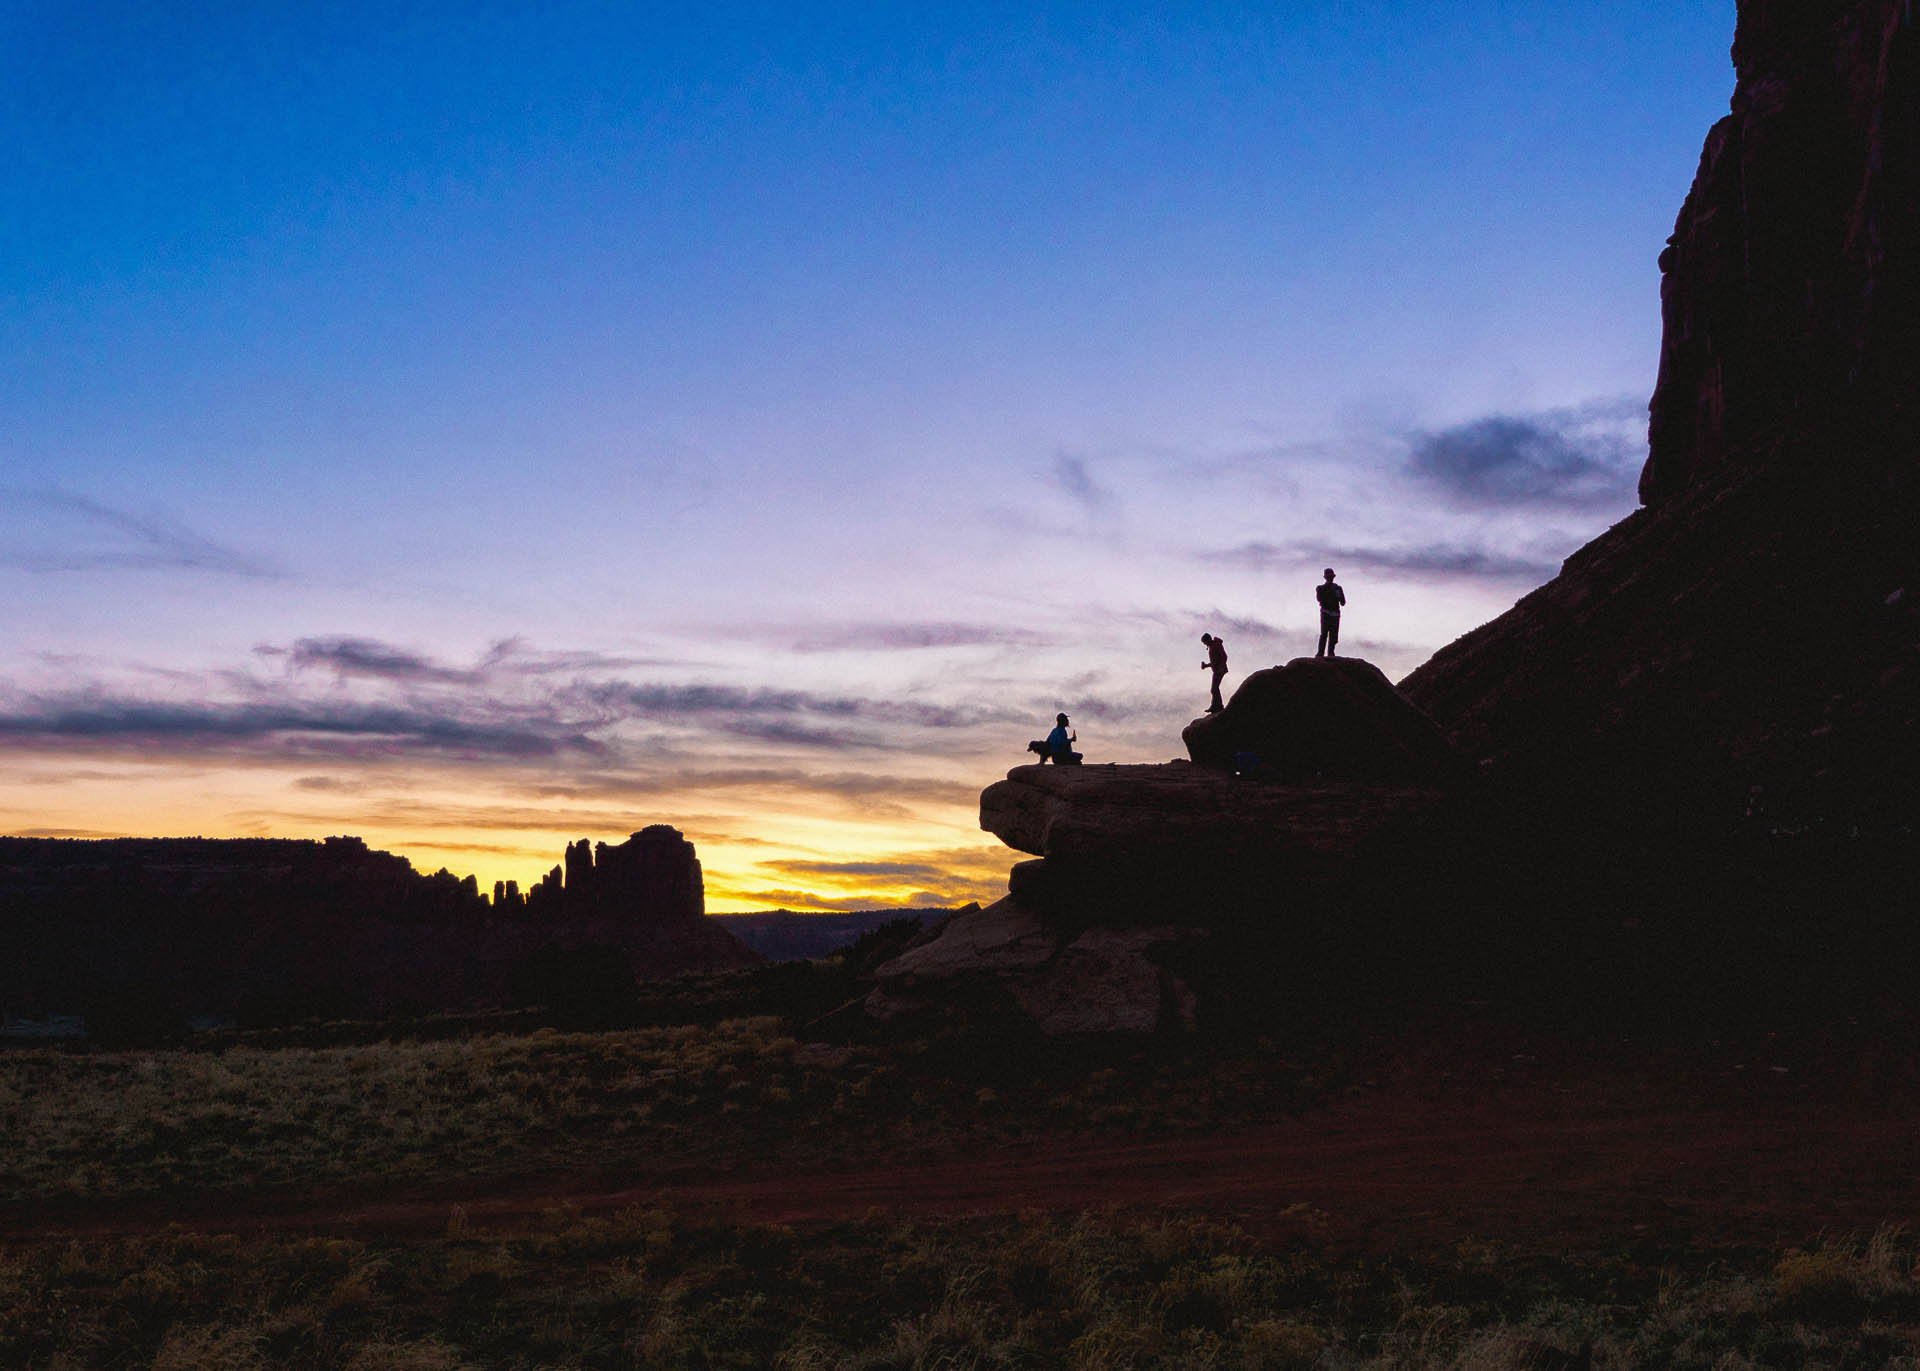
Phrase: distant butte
{"type": "Point", "coordinates": [214, 925]}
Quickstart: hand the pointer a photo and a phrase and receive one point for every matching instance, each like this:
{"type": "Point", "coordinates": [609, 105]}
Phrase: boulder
{"type": "Point", "coordinates": [1333, 718]}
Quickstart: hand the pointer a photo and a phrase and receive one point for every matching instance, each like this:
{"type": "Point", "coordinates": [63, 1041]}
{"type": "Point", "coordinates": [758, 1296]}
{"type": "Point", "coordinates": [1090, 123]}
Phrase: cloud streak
{"type": "Point", "coordinates": [293, 730]}
{"type": "Point", "coordinates": [139, 542]}
{"type": "Point", "coordinates": [1433, 559]}
{"type": "Point", "coordinates": [911, 637]}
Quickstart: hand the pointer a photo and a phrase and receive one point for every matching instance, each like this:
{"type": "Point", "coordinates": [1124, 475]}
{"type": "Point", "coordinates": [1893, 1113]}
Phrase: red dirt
{"type": "Point", "coordinates": [1543, 1156]}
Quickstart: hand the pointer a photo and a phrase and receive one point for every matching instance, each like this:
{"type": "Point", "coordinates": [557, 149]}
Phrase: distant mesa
{"type": "Point", "coordinates": [217, 925]}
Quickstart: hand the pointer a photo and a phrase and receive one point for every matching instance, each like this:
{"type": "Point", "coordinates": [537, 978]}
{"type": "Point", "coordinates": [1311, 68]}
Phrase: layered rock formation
{"type": "Point", "coordinates": [219, 924]}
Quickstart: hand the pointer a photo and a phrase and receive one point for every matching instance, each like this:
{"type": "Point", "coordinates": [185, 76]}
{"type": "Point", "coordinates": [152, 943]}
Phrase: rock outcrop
{"type": "Point", "coordinates": [1146, 876]}
{"type": "Point", "coordinates": [1336, 719]}
{"type": "Point", "coordinates": [1124, 842]}
{"type": "Point", "coordinates": [654, 876]}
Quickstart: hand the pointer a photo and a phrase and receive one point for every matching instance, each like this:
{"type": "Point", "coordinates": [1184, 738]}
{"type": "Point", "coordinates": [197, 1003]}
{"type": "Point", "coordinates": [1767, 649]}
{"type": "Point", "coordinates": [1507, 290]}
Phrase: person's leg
{"type": "Point", "coordinates": [1215, 707]}
{"type": "Point", "coordinates": [1333, 634]}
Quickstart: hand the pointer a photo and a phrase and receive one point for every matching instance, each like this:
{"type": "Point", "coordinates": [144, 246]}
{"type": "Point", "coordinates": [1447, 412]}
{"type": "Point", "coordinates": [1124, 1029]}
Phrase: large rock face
{"type": "Point", "coordinates": [1792, 280]}
{"type": "Point", "coordinates": [1336, 719]}
{"type": "Point", "coordinates": [1743, 649]}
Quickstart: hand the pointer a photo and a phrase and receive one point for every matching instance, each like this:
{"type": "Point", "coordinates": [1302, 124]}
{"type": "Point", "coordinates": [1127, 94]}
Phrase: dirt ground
{"type": "Point", "coordinates": [1548, 1150]}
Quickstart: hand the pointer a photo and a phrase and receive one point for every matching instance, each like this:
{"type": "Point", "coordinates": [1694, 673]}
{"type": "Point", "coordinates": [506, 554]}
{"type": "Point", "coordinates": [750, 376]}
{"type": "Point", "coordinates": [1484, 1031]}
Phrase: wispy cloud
{"type": "Point", "coordinates": [947, 867]}
{"type": "Point", "coordinates": [1433, 559]}
{"type": "Point", "coordinates": [367, 657]}
{"type": "Point", "coordinates": [1069, 475]}
{"type": "Point", "coordinates": [294, 729]}
{"type": "Point", "coordinates": [55, 531]}
{"type": "Point", "coordinates": [909, 636]}
{"type": "Point", "coordinates": [622, 699]}
{"type": "Point", "coordinates": [947, 896]}
{"type": "Point", "coordinates": [1580, 458]}
{"type": "Point", "coordinates": [377, 704]}
{"type": "Point", "coordinates": [769, 780]}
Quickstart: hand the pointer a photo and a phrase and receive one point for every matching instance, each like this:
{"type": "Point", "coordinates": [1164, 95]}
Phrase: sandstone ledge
{"type": "Point", "coordinates": [1133, 813]}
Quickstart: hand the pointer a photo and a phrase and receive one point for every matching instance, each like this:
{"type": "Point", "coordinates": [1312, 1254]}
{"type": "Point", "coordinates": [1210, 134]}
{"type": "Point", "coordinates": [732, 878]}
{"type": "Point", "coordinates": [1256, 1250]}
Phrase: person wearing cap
{"type": "Point", "coordinates": [1216, 663]}
{"type": "Point", "coordinates": [1060, 743]}
{"type": "Point", "coordinates": [1331, 597]}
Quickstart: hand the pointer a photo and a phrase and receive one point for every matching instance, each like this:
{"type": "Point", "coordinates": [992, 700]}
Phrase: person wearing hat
{"type": "Point", "coordinates": [1060, 743]}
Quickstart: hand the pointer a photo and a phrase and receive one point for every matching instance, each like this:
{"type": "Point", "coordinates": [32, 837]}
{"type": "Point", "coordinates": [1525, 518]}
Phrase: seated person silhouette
{"type": "Point", "coordinates": [1060, 743]}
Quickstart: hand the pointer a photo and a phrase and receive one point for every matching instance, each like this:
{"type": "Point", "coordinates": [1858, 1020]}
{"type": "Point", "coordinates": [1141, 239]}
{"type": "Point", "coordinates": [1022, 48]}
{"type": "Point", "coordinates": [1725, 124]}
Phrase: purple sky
{"type": "Point", "coordinates": [480, 426]}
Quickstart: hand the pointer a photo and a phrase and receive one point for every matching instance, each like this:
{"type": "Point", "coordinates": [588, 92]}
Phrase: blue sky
{"type": "Point", "coordinates": [475, 426]}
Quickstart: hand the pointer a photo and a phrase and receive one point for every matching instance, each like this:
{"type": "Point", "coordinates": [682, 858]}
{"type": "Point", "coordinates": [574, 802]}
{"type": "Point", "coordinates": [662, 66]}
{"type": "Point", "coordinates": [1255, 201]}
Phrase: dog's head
{"type": "Point", "coordinates": [1038, 746]}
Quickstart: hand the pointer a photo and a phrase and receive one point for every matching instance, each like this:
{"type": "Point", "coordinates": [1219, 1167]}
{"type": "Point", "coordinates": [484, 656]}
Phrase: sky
{"type": "Point", "coordinates": [479, 426]}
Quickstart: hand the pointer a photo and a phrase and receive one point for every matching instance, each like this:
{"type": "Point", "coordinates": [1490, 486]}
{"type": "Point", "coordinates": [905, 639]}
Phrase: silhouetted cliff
{"type": "Point", "coordinates": [1792, 280]}
{"type": "Point", "coordinates": [219, 924]}
{"type": "Point", "coordinates": [1743, 649]}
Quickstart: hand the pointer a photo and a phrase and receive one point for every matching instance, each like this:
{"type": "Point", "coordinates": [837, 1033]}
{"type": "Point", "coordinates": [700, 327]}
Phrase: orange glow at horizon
{"type": "Point", "coordinates": [753, 856]}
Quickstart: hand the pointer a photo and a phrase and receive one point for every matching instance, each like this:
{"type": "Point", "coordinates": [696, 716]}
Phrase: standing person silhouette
{"type": "Point", "coordinates": [1331, 597]}
{"type": "Point", "coordinates": [1216, 663]}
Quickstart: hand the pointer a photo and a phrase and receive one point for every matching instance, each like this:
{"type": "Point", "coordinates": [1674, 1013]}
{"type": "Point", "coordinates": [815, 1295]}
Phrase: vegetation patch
{"type": "Point", "coordinates": [648, 1288]}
